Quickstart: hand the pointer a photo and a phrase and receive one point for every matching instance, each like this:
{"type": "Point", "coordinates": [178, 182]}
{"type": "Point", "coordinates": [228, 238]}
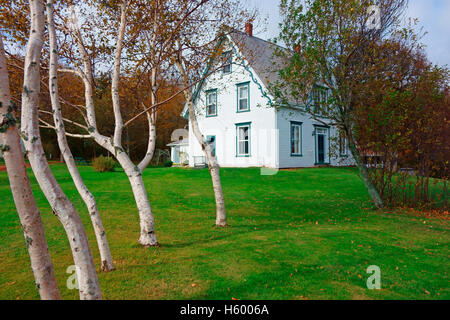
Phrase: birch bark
{"type": "Point", "coordinates": [151, 118]}
{"type": "Point", "coordinates": [213, 166]}
{"type": "Point", "coordinates": [151, 115]}
{"type": "Point", "coordinates": [147, 233]}
{"type": "Point", "coordinates": [29, 215]}
{"type": "Point", "coordinates": [89, 287]}
{"type": "Point", "coordinates": [147, 223]}
{"type": "Point", "coordinates": [88, 198]}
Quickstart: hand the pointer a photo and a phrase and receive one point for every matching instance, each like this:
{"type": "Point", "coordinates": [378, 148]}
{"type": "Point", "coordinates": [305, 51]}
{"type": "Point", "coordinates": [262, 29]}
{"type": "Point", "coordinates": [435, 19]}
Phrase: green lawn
{"type": "Point", "coordinates": [307, 233]}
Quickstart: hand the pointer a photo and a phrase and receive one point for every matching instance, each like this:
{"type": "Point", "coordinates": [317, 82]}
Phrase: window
{"type": "Point", "coordinates": [243, 139]}
{"type": "Point", "coordinates": [342, 145]}
{"type": "Point", "coordinates": [243, 97]}
{"type": "Point", "coordinates": [320, 100]}
{"type": "Point", "coordinates": [227, 62]}
{"type": "Point", "coordinates": [211, 103]}
{"type": "Point", "coordinates": [211, 140]}
{"type": "Point", "coordinates": [296, 138]}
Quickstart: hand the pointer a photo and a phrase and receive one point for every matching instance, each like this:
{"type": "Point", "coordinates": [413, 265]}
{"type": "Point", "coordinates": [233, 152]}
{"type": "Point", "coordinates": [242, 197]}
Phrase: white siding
{"type": "Point", "coordinates": [270, 135]}
{"type": "Point", "coordinates": [263, 143]}
{"type": "Point", "coordinates": [308, 157]}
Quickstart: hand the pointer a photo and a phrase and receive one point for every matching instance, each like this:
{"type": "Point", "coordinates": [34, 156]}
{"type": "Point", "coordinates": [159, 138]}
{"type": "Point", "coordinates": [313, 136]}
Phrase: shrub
{"type": "Point", "coordinates": [103, 164]}
{"type": "Point", "coordinates": [168, 163]}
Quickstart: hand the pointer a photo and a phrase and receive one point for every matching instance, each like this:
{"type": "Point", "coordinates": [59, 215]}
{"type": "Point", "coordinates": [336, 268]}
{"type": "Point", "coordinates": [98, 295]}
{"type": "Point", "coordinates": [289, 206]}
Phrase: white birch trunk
{"type": "Point", "coordinates": [134, 173]}
{"type": "Point", "coordinates": [89, 287]}
{"type": "Point", "coordinates": [147, 235]}
{"type": "Point", "coordinates": [151, 141]}
{"type": "Point", "coordinates": [29, 215]}
{"type": "Point", "coordinates": [151, 118]}
{"type": "Point", "coordinates": [147, 223]}
{"type": "Point", "coordinates": [88, 198]}
{"type": "Point", "coordinates": [213, 166]}
{"type": "Point", "coordinates": [118, 129]}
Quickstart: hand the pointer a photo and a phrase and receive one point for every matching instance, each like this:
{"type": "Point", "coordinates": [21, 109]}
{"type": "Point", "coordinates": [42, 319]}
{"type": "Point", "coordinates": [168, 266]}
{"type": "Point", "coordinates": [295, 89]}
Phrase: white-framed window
{"type": "Point", "coordinates": [243, 97]}
{"type": "Point", "coordinates": [296, 138]}
{"type": "Point", "coordinates": [227, 62]}
{"type": "Point", "coordinates": [211, 103]}
{"type": "Point", "coordinates": [243, 139]}
{"type": "Point", "coordinates": [320, 100]}
{"type": "Point", "coordinates": [343, 145]}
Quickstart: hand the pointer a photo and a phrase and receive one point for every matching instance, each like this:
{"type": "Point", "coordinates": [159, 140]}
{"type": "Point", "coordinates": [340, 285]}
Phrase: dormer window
{"type": "Point", "coordinates": [320, 100]}
{"type": "Point", "coordinates": [227, 62]}
{"type": "Point", "coordinates": [211, 103]}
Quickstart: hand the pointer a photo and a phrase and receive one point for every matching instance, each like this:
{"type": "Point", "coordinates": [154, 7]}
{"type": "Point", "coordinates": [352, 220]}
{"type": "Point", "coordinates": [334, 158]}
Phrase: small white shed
{"type": "Point", "coordinates": [179, 151]}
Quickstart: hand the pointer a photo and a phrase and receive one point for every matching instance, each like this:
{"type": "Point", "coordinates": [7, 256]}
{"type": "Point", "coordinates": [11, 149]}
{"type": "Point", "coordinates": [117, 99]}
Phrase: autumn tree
{"type": "Point", "coordinates": [328, 42]}
{"type": "Point", "coordinates": [402, 120]}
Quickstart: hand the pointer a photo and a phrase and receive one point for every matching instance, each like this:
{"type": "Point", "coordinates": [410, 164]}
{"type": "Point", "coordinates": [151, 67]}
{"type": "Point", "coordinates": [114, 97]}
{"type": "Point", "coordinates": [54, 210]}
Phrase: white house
{"type": "Point", "coordinates": [236, 113]}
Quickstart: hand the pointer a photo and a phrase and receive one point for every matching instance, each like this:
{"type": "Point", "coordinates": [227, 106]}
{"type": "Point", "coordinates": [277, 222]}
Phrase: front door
{"type": "Point", "coordinates": [321, 145]}
{"type": "Point", "coordinates": [321, 148]}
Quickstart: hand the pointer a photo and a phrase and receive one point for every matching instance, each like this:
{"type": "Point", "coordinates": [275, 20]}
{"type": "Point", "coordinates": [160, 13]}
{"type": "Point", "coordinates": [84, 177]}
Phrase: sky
{"type": "Point", "coordinates": [433, 15]}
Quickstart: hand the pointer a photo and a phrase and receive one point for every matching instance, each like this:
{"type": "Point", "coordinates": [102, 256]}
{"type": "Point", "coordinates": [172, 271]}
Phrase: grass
{"type": "Point", "coordinates": [301, 234]}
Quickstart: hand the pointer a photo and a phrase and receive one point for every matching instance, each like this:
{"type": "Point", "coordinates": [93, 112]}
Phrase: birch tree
{"type": "Point", "coordinates": [113, 144]}
{"type": "Point", "coordinates": [193, 53]}
{"type": "Point", "coordinates": [105, 252]}
{"type": "Point", "coordinates": [89, 287]}
{"type": "Point", "coordinates": [176, 40]}
{"type": "Point", "coordinates": [213, 166]}
{"type": "Point", "coordinates": [85, 70]}
{"type": "Point", "coordinates": [157, 24]}
{"type": "Point", "coordinates": [29, 215]}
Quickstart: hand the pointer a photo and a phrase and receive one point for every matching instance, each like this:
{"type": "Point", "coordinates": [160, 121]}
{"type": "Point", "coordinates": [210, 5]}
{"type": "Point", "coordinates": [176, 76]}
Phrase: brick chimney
{"type": "Point", "coordinates": [249, 28]}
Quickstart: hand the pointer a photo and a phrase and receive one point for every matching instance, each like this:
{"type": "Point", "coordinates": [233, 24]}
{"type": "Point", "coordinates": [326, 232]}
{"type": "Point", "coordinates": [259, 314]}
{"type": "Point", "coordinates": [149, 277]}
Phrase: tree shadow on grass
{"type": "Point", "coordinates": [240, 230]}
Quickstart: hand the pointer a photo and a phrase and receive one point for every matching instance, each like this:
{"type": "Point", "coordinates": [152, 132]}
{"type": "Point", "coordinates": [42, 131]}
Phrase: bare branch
{"type": "Point", "coordinates": [66, 120]}
{"type": "Point", "coordinates": [73, 135]}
